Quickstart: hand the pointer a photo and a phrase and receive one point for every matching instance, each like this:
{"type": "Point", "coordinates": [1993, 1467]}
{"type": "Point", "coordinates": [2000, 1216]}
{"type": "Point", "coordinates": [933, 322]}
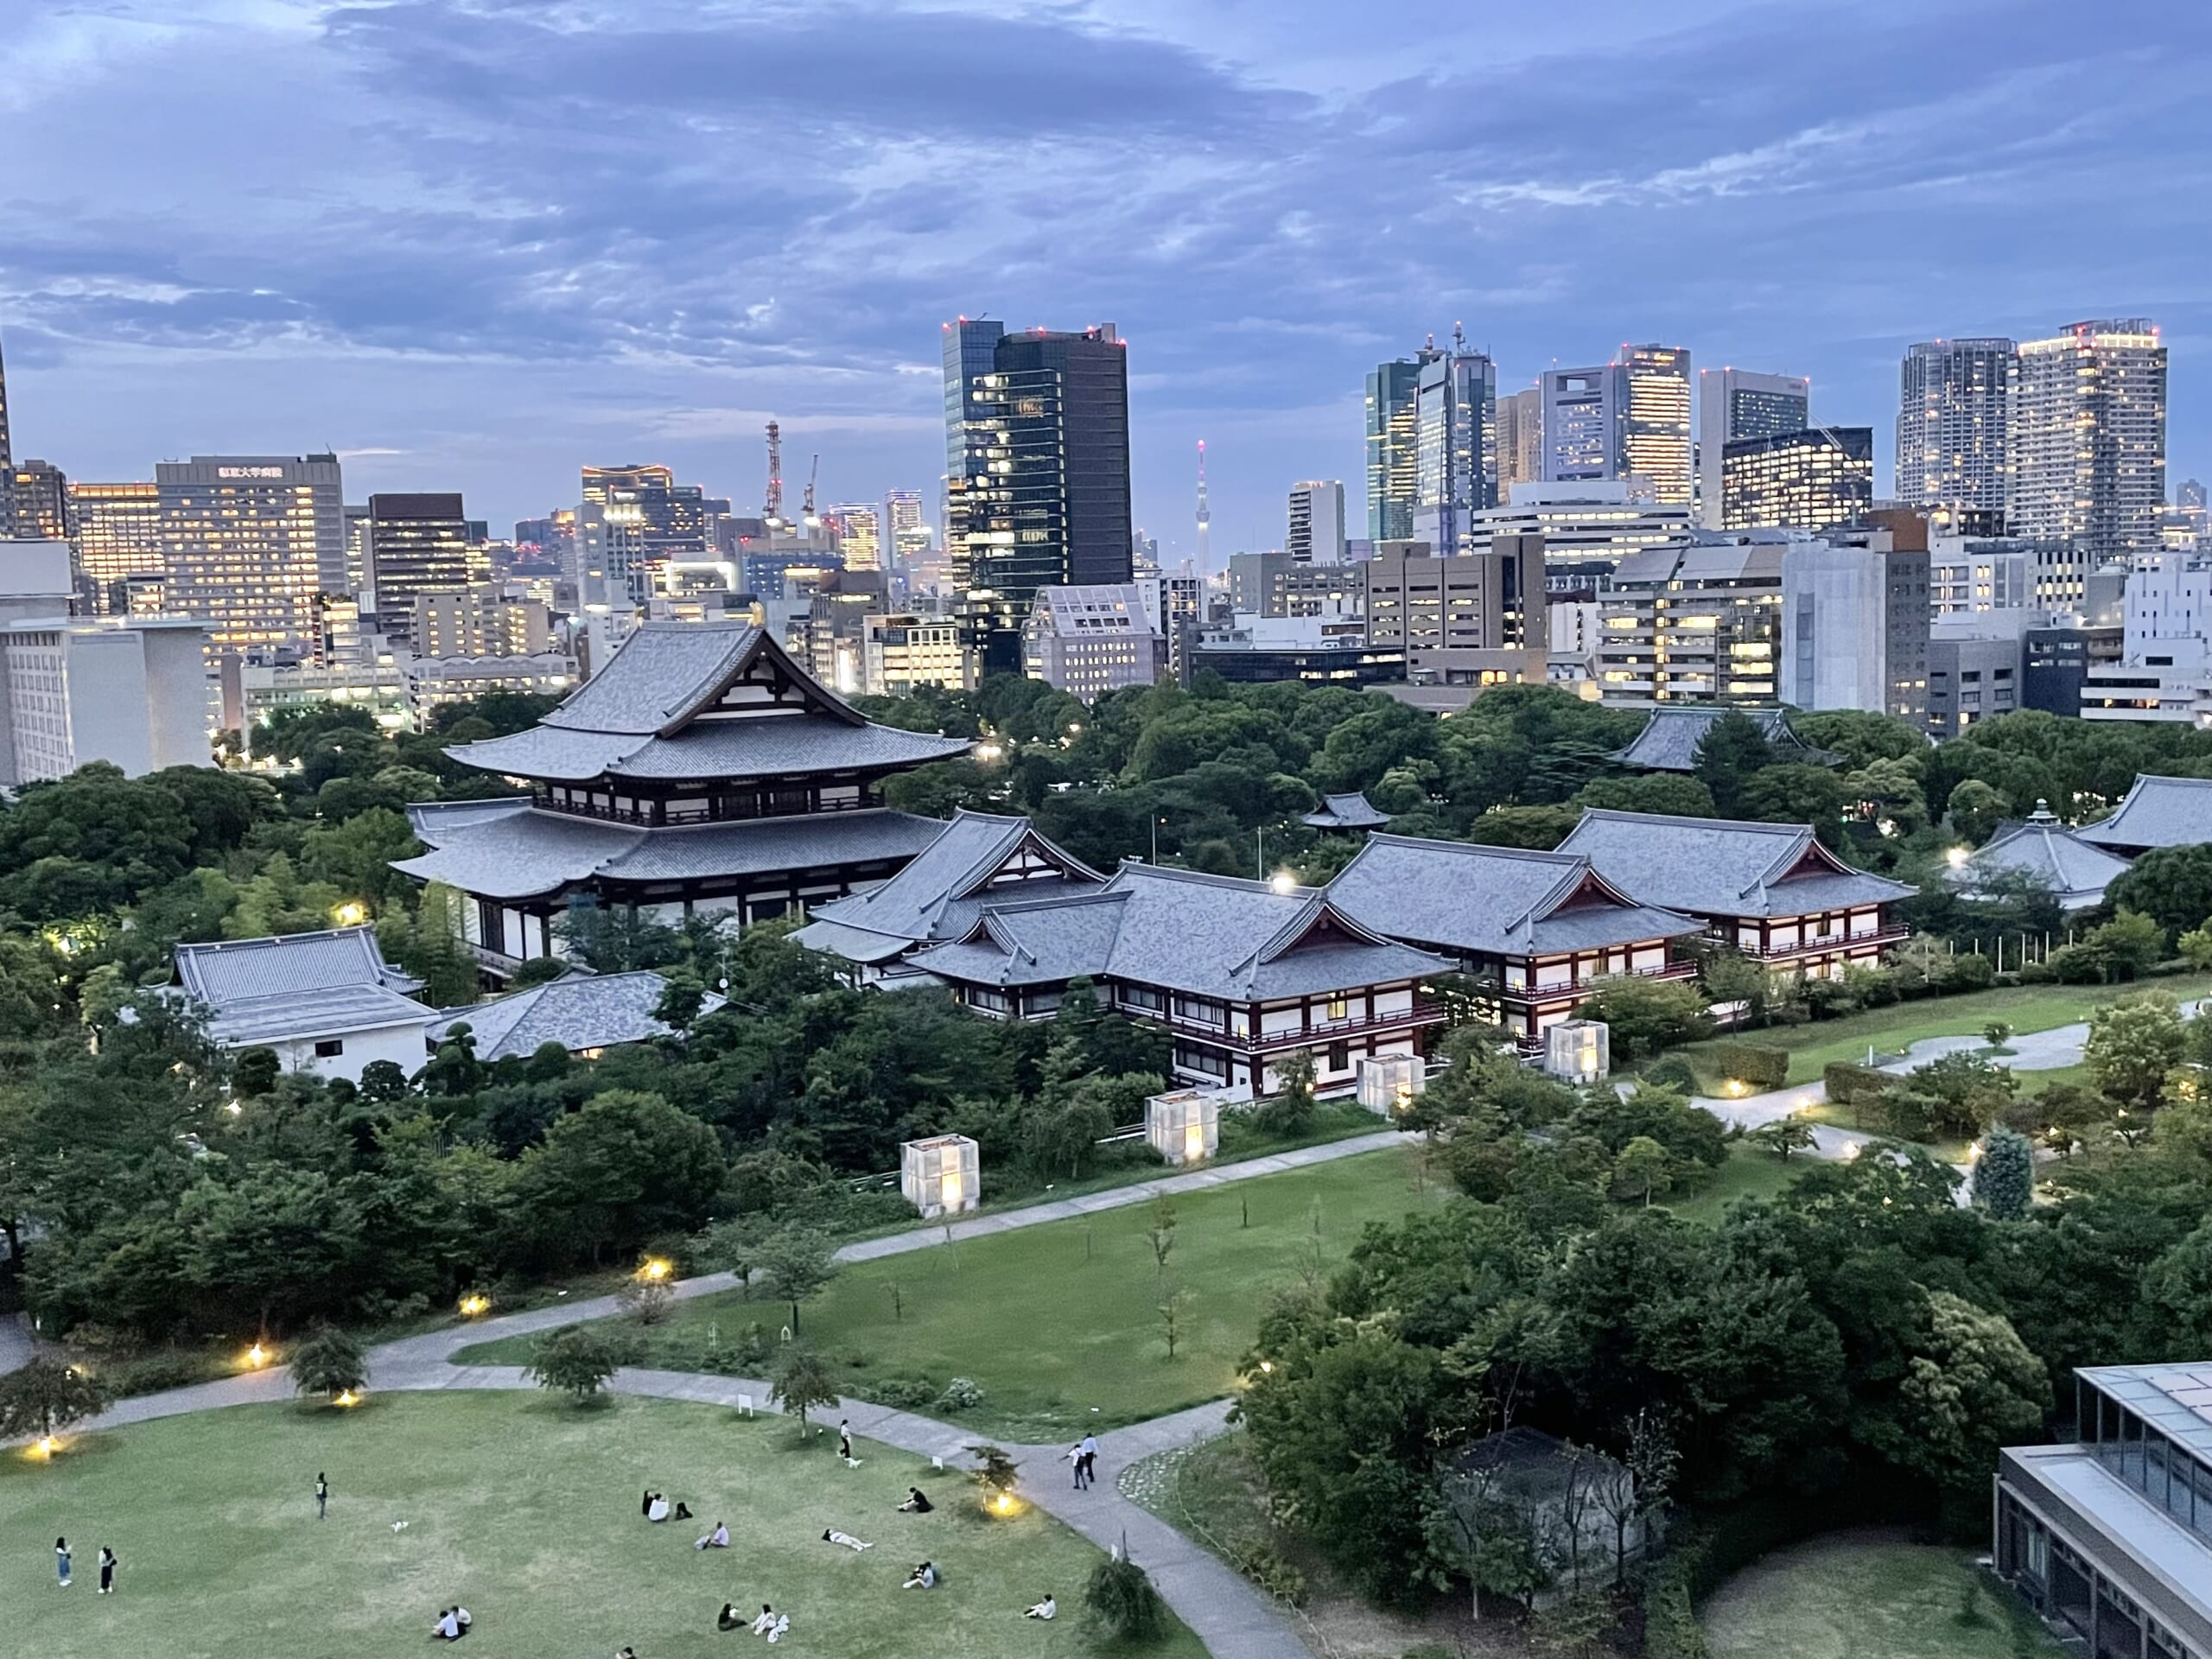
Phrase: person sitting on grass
{"type": "Point", "coordinates": [767, 1622]}
{"type": "Point", "coordinates": [833, 1537]}
{"type": "Point", "coordinates": [718, 1539]}
{"type": "Point", "coordinates": [448, 1627]}
{"type": "Point", "coordinates": [729, 1618]}
{"type": "Point", "coordinates": [1046, 1609]}
{"type": "Point", "coordinates": [683, 1510]}
{"type": "Point", "coordinates": [781, 1629]}
{"type": "Point", "coordinates": [657, 1510]}
{"type": "Point", "coordinates": [915, 1503]}
{"type": "Point", "coordinates": [923, 1578]}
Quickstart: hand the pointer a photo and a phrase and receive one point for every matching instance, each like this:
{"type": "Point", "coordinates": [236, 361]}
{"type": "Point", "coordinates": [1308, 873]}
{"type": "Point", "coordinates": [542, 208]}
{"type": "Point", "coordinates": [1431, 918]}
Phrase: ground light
{"type": "Point", "coordinates": [1003, 1504]}
{"type": "Point", "coordinates": [256, 1357]}
{"type": "Point", "coordinates": [1283, 881]}
{"type": "Point", "coordinates": [351, 913]}
{"type": "Point", "coordinates": [346, 1397]}
{"type": "Point", "coordinates": [475, 1305]}
{"type": "Point", "coordinates": [654, 1270]}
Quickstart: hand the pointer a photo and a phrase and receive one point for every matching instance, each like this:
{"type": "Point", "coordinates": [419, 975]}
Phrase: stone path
{"type": "Point", "coordinates": [16, 1346]}
{"type": "Point", "coordinates": [1231, 1616]}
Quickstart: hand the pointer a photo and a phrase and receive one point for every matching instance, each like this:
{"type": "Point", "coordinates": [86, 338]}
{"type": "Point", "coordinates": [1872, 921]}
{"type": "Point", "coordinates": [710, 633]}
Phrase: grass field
{"type": "Point", "coordinates": [1060, 1324]}
{"type": "Point", "coordinates": [2025, 1007]}
{"type": "Point", "coordinates": [1857, 1594]}
{"type": "Point", "coordinates": [525, 1509]}
{"type": "Point", "coordinates": [1749, 1173]}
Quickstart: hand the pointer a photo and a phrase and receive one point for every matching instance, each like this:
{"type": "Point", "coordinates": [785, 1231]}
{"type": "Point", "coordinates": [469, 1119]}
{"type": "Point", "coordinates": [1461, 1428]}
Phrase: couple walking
{"type": "Point", "coordinates": [1082, 1457]}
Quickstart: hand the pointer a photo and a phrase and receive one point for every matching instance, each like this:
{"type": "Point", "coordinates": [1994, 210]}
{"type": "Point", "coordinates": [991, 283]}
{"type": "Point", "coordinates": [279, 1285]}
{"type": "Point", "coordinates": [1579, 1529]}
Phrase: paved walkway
{"type": "Point", "coordinates": [1231, 1616]}
{"type": "Point", "coordinates": [15, 1348]}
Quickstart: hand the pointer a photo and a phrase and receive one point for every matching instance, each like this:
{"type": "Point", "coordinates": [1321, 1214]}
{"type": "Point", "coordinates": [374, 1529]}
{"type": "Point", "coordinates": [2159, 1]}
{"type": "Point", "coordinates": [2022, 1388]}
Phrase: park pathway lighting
{"type": "Point", "coordinates": [655, 1269]}
{"type": "Point", "coordinates": [475, 1305]}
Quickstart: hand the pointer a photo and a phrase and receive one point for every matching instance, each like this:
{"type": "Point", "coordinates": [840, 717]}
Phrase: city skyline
{"type": "Point", "coordinates": [463, 345]}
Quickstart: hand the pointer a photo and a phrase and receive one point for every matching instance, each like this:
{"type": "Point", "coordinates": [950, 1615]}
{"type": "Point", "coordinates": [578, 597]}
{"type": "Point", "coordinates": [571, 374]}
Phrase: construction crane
{"type": "Point", "coordinates": [807, 511]}
{"type": "Point", "coordinates": [773, 512]}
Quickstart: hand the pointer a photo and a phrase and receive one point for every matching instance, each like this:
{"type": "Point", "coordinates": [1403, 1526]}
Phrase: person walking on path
{"type": "Point", "coordinates": [1089, 1448]}
{"type": "Point", "coordinates": [107, 1571]}
{"type": "Point", "coordinates": [845, 1438]}
{"type": "Point", "coordinates": [322, 1498]}
{"type": "Point", "coordinates": [1075, 1463]}
{"type": "Point", "coordinates": [61, 1560]}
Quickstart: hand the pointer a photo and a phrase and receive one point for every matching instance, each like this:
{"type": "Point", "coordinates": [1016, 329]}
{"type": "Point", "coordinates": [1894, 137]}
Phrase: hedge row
{"type": "Point", "coordinates": [1854, 1085]}
{"type": "Point", "coordinates": [1752, 1062]}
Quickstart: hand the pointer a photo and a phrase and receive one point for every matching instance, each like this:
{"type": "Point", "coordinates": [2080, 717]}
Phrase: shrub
{"type": "Point", "coordinates": [1121, 1598]}
{"type": "Point", "coordinates": [904, 1393]}
{"type": "Point", "coordinates": [328, 1361]}
{"type": "Point", "coordinates": [1672, 1072]}
{"type": "Point", "coordinates": [1262, 1564]}
{"type": "Point", "coordinates": [1854, 1085]}
{"type": "Point", "coordinates": [2005, 1176]}
{"type": "Point", "coordinates": [576, 1359]}
{"type": "Point", "coordinates": [961, 1394]}
{"type": "Point", "coordinates": [1752, 1062]}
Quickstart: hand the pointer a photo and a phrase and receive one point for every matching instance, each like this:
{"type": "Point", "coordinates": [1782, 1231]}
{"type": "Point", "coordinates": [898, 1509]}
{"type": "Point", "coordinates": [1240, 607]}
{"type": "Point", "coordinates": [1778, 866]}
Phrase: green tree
{"type": "Point", "coordinates": [1121, 1598]}
{"type": "Point", "coordinates": [1537, 828]}
{"type": "Point", "coordinates": [328, 1361]}
{"type": "Point", "coordinates": [1975, 810]}
{"type": "Point", "coordinates": [1647, 1016]}
{"type": "Point", "coordinates": [1642, 1171]}
{"type": "Point", "coordinates": [1783, 1137]}
{"type": "Point", "coordinates": [2129, 945]}
{"type": "Point", "coordinates": [796, 1265]}
{"type": "Point", "coordinates": [2177, 1313]}
{"type": "Point", "coordinates": [42, 1397]}
{"type": "Point", "coordinates": [2004, 1175]}
{"type": "Point", "coordinates": [577, 1359]}
{"type": "Point", "coordinates": [1733, 749]}
{"type": "Point", "coordinates": [254, 1072]}
{"type": "Point", "coordinates": [607, 1177]}
{"type": "Point", "coordinates": [802, 1380]}
{"type": "Point", "coordinates": [1291, 1112]}
{"type": "Point", "coordinates": [1970, 1386]}
{"type": "Point", "coordinates": [681, 997]}
{"type": "Point", "coordinates": [2133, 1050]}
{"type": "Point", "coordinates": [2172, 886]}
{"type": "Point", "coordinates": [430, 946]}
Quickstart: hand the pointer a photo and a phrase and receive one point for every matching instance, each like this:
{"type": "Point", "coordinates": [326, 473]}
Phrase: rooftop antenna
{"type": "Point", "coordinates": [773, 510]}
{"type": "Point", "coordinates": [1206, 512]}
{"type": "Point", "coordinates": [806, 511]}
{"type": "Point", "coordinates": [1458, 340]}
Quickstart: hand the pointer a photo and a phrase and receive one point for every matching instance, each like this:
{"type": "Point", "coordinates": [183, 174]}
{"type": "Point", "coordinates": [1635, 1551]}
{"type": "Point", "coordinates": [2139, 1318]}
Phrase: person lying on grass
{"type": "Point", "coordinates": [833, 1537]}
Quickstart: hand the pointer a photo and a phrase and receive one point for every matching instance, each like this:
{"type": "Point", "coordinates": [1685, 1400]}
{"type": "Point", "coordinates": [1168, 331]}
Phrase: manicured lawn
{"type": "Point", "coordinates": [1857, 1594]}
{"type": "Point", "coordinates": [1890, 1030]}
{"type": "Point", "coordinates": [1060, 1324]}
{"type": "Point", "coordinates": [1749, 1173]}
{"type": "Point", "coordinates": [526, 1511]}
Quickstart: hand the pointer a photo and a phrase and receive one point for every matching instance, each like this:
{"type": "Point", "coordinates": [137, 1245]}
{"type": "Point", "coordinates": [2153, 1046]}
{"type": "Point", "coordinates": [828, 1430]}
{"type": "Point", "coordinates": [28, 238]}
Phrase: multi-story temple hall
{"type": "Point", "coordinates": [700, 772]}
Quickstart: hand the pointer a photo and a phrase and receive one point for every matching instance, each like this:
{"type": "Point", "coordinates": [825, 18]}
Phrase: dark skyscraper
{"type": "Point", "coordinates": [416, 544]}
{"type": "Point", "coordinates": [1392, 451]}
{"type": "Point", "coordinates": [1037, 470]}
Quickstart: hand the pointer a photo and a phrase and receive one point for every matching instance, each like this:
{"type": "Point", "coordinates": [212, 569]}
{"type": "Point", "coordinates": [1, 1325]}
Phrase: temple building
{"type": "Point", "coordinates": [1241, 973]}
{"type": "Point", "coordinates": [1671, 738]}
{"type": "Point", "coordinates": [1771, 891]}
{"type": "Point", "coordinates": [1536, 932]}
{"type": "Point", "coordinates": [701, 772]}
{"type": "Point", "coordinates": [2155, 812]}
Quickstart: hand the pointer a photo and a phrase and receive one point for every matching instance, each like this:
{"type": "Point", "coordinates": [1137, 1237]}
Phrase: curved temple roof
{"type": "Point", "coordinates": [1718, 867]}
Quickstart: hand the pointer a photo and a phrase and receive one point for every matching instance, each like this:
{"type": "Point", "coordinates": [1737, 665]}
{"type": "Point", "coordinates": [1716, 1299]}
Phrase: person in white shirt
{"type": "Point", "coordinates": [657, 1510]}
{"type": "Point", "coordinates": [767, 1622]}
{"type": "Point", "coordinates": [923, 1578]}
{"type": "Point", "coordinates": [833, 1537]}
{"type": "Point", "coordinates": [1045, 1609]}
{"type": "Point", "coordinates": [718, 1539]}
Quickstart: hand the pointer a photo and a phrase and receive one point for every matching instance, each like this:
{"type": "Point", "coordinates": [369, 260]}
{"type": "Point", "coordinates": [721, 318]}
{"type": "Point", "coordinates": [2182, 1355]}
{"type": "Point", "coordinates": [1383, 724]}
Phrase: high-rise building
{"type": "Point", "coordinates": [251, 540]}
{"type": "Point", "coordinates": [1455, 439]}
{"type": "Point", "coordinates": [416, 545]}
{"type": "Point", "coordinates": [1695, 624]}
{"type": "Point", "coordinates": [1587, 529]}
{"type": "Point", "coordinates": [1655, 441]}
{"type": "Point", "coordinates": [1392, 451]}
{"type": "Point", "coordinates": [1037, 470]}
{"type": "Point", "coordinates": [40, 490]}
{"type": "Point", "coordinates": [858, 529]}
{"type": "Point", "coordinates": [1461, 618]}
{"type": "Point", "coordinates": [1953, 410]}
{"type": "Point", "coordinates": [130, 691]}
{"type": "Point", "coordinates": [901, 651]}
{"type": "Point", "coordinates": [1804, 480]}
{"type": "Point", "coordinates": [2086, 432]}
{"type": "Point", "coordinates": [1316, 534]}
{"type": "Point", "coordinates": [1520, 440]}
{"type": "Point", "coordinates": [481, 620]}
{"type": "Point", "coordinates": [119, 536]}
{"type": "Point", "coordinates": [1733, 403]}
{"type": "Point", "coordinates": [7, 463]}
{"type": "Point", "coordinates": [1855, 619]}
{"type": "Point", "coordinates": [675, 521]}
{"type": "Point", "coordinates": [905, 536]}
{"type": "Point", "coordinates": [1582, 413]}
{"type": "Point", "coordinates": [1088, 640]}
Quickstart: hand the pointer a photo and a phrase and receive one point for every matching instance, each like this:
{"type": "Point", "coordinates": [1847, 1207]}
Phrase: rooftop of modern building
{"type": "Point", "coordinates": [1722, 867]}
{"type": "Point", "coordinates": [2176, 1398]}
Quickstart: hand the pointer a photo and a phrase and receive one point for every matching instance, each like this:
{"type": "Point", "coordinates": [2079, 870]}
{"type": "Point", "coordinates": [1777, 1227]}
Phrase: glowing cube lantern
{"type": "Point", "coordinates": [1579, 1051]}
{"type": "Point", "coordinates": [939, 1176]}
{"type": "Point", "coordinates": [1184, 1127]}
{"type": "Point", "coordinates": [1388, 1083]}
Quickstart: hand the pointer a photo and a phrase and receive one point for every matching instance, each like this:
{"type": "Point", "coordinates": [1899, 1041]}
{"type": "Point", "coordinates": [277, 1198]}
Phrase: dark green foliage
{"type": "Point", "coordinates": [1647, 1016]}
{"type": "Point", "coordinates": [1120, 1596]}
{"type": "Point", "coordinates": [577, 1359]}
{"type": "Point", "coordinates": [1751, 1063]}
{"type": "Point", "coordinates": [1849, 1084]}
{"type": "Point", "coordinates": [2172, 886]}
{"type": "Point", "coordinates": [43, 1395]}
{"type": "Point", "coordinates": [328, 1361]}
{"type": "Point", "coordinates": [2004, 1175]}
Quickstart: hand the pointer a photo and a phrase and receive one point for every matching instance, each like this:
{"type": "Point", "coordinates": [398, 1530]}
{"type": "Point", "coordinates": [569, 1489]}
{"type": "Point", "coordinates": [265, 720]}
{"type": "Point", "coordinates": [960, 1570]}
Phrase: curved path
{"type": "Point", "coordinates": [1232, 1617]}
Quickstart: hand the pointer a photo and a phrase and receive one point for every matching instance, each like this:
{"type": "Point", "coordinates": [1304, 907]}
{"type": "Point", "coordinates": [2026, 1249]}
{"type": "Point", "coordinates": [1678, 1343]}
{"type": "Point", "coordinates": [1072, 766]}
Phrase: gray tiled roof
{"type": "Point", "coordinates": [225, 971]}
{"type": "Point", "coordinates": [663, 673]}
{"type": "Point", "coordinates": [2157, 812]}
{"type": "Point", "coordinates": [1505, 901]}
{"type": "Point", "coordinates": [1206, 935]}
{"type": "Point", "coordinates": [1670, 740]}
{"type": "Point", "coordinates": [2076, 871]}
{"type": "Point", "coordinates": [769, 746]}
{"type": "Point", "coordinates": [1345, 812]}
{"type": "Point", "coordinates": [578, 1011]}
{"type": "Point", "coordinates": [938, 895]}
{"type": "Point", "coordinates": [328, 1011]}
{"type": "Point", "coordinates": [1718, 866]}
{"type": "Point", "coordinates": [526, 853]}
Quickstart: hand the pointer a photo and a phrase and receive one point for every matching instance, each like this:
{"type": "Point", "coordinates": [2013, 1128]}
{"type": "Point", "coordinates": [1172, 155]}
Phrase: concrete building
{"type": "Point", "coordinates": [431, 683]}
{"type": "Point", "coordinates": [2165, 671]}
{"type": "Point", "coordinates": [327, 1003]}
{"type": "Point", "coordinates": [1701, 623]}
{"type": "Point", "coordinates": [1655, 421]}
{"type": "Point", "coordinates": [1392, 454]}
{"type": "Point", "coordinates": [416, 545]}
{"type": "Point", "coordinates": [2086, 436]}
{"type": "Point", "coordinates": [1855, 620]}
{"type": "Point", "coordinates": [1087, 641]}
{"type": "Point", "coordinates": [40, 490]}
{"type": "Point", "coordinates": [902, 650]}
{"type": "Point", "coordinates": [1519, 441]}
{"type": "Point", "coordinates": [1247, 649]}
{"type": "Point", "coordinates": [1582, 416]}
{"type": "Point", "coordinates": [1974, 577]}
{"type": "Point", "coordinates": [1455, 436]}
{"type": "Point", "coordinates": [1280, 584]}
{"type": "Point", "coordinates": [905, 533]}
{"type": "Point", "coordinates": [130, 691]}
{"type": "Point", "coordinates": [1175, 605]}
{"type": "Point", "coordinates": [1467, 619]}
{"type": "Point", "coordinates": [1803, 480]}
{"type": "Point", "coordinates": [119, 536]}
{"type": "Point", "coordinates": [1972, 676]}
{"type": "Point", "coordinates": [1737, 404]}
{"type": "Point", "coordinates": [2059, 658]}
{"type": "Point", "coordinates": [481, 620]}
{"type": "Point", "coordinates": [858, 529]}
{"type": "Point", "coordinates": [1588, 528]}
{"type": "Point", "coordinates": [1316, 530]}
{"type": "Point", "coordinates": [1954, 415]}
{"type": "Point", "coordinates": [251, 540]}
{"type": "Point", "coordinates": [7, 465]}
{"type": "Point", "coordinates": [2108, 1534]}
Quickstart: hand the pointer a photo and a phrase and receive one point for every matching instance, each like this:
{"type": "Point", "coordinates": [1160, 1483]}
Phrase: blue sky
{"type": "Point", "coordinates": [473, 244]}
